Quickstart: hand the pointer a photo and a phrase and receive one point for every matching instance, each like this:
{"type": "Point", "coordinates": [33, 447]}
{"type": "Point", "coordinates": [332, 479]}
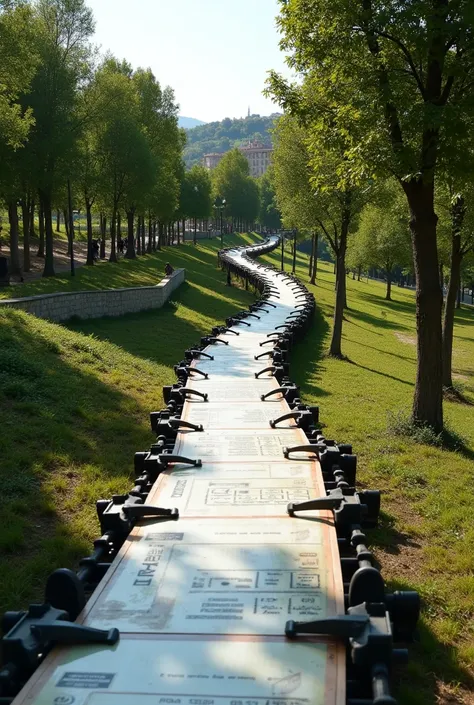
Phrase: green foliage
{"type": "Point", "coordinates": [18, 60]}
{"type": "Point", "coordinates": [196, 193]}
{"type": "Point", "coordinates": [223, 136]}
{"type": "Point", "coordinates": [231, 181]}
{"type": "Point", "coordinates": [269, 216]}
{"type": "Point", "coordinates": [382, 239]}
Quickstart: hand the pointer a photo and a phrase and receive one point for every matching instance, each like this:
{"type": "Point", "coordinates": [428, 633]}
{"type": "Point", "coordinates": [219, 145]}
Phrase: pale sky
{"type": "Point", "coordinates": [214, 53]}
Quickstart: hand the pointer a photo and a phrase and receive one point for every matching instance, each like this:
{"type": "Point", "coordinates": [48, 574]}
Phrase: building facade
{"type": "Point", "coordinates": [212, 160]}
{"type": "Point", "coordinates": [258, 156]}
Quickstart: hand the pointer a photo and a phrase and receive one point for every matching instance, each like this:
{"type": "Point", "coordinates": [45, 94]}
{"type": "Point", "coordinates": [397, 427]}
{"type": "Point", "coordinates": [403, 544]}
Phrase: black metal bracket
{"type": "Point", "coordinates": [166, 460]}
{"type": "Point", "coordinates": [195, 353]}
{"type": "Point", "coordinates": [290, 415]}
{"type": "Point", "coordinates": [304, 448]}
{"type": "Point", "coordinates": [147, 511]}
{"type": "Point", "coordinates": [198, 372]}
{"type": "Point", "coordinates": [185, 391]}
{"type": "Point", "coordinates": [179, 423]}
{"type": "Point", "coordinates": [270, 368]}
{"type": "Point", "coordinates": [272, 392]}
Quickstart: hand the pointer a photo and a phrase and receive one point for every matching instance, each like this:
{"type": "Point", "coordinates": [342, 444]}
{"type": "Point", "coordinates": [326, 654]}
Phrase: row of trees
{"type": "Point", "coordinates": [387, 94]}
{"type": "Point", "coordinates": [230, 188]}
{"type": "Point", "coordinates": [71, 118]}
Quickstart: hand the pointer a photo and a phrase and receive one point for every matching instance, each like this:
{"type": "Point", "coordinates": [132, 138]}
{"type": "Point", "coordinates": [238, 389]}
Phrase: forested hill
{"type": "Point", "coordinates": [224, 135]}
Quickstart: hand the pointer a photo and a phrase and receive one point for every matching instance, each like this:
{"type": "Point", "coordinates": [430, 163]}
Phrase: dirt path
{"type": "Point", "coordinates": [61, 258]}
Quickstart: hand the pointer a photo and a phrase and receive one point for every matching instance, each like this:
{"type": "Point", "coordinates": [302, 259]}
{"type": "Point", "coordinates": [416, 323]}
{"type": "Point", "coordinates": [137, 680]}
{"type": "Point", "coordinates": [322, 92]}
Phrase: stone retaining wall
{"type": "Point", "coordinates": [95, 304]}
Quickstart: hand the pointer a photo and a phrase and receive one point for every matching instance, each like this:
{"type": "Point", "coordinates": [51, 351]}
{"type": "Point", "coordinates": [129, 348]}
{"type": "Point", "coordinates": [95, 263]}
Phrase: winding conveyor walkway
{"type": "Point", "coordinates": [218, 565]}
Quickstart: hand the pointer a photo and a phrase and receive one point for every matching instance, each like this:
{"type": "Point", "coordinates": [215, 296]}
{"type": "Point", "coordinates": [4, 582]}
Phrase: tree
{"type": "Point", "coordinates": [65, 27]}
{"type": "Point", "coordinates": [18, 63]}
{"type": "Point", "coordinates": [454, 202]}
{"type": "Point", "coordinates": [406, 78]}
{"type": "Point", "coordinates": [197, 194]}
{"type": "Point", "coordinates": [231, 181]}
{"type": "Point", "coordinates": [383, 234]}
{"type": "Point", "coordinates": [310, 193]}
{"type": "Point", "coordinates": [269, 216]}
{"type": "Point", "coordinates": [121, 143]}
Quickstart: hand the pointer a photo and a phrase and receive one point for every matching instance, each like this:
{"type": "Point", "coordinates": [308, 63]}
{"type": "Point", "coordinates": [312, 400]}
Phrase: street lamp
{"type": "Point", "coordinates": [220, 206]}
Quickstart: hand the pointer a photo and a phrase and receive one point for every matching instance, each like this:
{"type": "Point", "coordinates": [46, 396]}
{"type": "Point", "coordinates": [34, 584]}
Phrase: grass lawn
{"type": "Point", "coordinates": [426, 537]}
{"type": "Point", "coordinates": [143, 271]}
{"type": "Point", "coordinates": [74, 409]}
{"type": "Point", "coordinates": [74, 404]}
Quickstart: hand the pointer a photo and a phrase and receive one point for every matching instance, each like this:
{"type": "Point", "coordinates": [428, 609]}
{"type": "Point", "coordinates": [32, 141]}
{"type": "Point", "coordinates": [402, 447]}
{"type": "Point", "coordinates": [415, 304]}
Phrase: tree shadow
{"type": "Point", "coordinates": [377, 321]}
{"type": "Point", "coordinates": [381, 374]}
{"type": "Point", "coordinates": [69, 436]}
{"type": "Point", "coordinates": [386, 352]}
{"type": "Point", "coordinates": [306, 356]}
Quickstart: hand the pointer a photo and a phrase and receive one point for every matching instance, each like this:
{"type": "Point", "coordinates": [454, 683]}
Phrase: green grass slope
{"type": "Point", "coordinates": [426, 537]}
{"type": "Point", "coordinates": [74, 409]}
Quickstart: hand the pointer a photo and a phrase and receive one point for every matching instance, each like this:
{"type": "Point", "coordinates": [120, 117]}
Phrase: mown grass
{"type": "Point", "coordinates": [144, 271]}
{"type": "Point", "coordinates": [426, 538]}
{"type": "Point", "coordinates": [74, 409]}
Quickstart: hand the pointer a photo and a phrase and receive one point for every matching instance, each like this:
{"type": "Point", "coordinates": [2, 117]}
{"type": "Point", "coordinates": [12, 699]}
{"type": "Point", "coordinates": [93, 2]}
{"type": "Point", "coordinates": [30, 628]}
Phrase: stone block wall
{"type": "Point", "coordinates": [95, 304]}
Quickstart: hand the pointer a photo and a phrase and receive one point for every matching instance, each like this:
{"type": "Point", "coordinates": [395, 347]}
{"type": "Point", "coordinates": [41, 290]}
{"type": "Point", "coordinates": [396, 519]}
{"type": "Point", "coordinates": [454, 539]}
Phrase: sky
{"type": "Point", "coordinates": [214, 53]}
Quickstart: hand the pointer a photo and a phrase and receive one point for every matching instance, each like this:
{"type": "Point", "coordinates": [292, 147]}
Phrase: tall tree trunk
{"type": "Point", "coordinates": [335, 349]}
{"type": "Point", "coordinates": [160, 235]}
{"type": "Point", "coordinates": [388, 293]}
{"type": "Point", "coordinates": [315, 258]}
{"type": "Point", "coordinates": [48, 270]}
{"type": "Point", "coordinates": [58, 221]}
{"type": "Point", "coordinates": [458, 211]}
{"type": "Point", "coordinates": [310, 268]}
{"type": "Point", "coordinates": [40, 252]}
{"type": "Point", "coordinates": [103, 233]}
{"type": "Point", "coordinates": [428, 398]}
{"type": "Point", "coordinates": [177, 232]}
{"type": "Point", "coordinates": [119, 225]}
{"type": "Point", "coordinates": [25, 212]}
{"type": "Point", "coordinates": [195, 231]}
{"type": "Point", "coordinates": [359, 272]}
{"type": "Point", "coordinates": [143, 229]}
{"type": "Point", "coordinates": [15, 266]}
{"type": "Point", "coordinates": [150, 234]}
{"type": "Point", "coordinates": [113, 236]}
{"type": "Point", "coordinates": [131, 254]}
{"type": "Point", "coordinates": [66, 225]}
{"type": "Point", "coordinates": [32, 217]}
{"type": "Point", "coordinates": [155, 225]}
{"type": "Point", "coordinates": [90, 236]}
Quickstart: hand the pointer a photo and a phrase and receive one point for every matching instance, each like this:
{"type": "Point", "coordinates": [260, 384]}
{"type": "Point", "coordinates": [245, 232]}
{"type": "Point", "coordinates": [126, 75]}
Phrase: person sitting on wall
{"type": "Point", "coordinates": [168, 269]}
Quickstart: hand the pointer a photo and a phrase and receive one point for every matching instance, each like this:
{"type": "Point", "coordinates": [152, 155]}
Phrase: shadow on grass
{"type": "Point", "coordinates": [431, 661]}
{"type": "Point", "coordinates": [65, 435]}
{"type": "Point", "coordinates": [162, 335]}
{"type": "Point", "coordinates": [306, 357]}
{"type": "Point", "coordinates": [381, 374]}
{"type": "Point", "coordinates": [377, 321]}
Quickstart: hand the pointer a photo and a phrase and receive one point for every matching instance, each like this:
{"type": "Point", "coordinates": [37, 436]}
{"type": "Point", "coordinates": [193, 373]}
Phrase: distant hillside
{"type": "Point", "coordinates": [224, 135]}
{"type": "Point", "coordinates": [189, 123]}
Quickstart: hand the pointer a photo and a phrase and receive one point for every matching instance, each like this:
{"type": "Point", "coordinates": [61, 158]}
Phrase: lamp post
{"type": "Point", "coordinates": [222, 213]}
{"type": "Point", "coordinates": [219, 205]}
